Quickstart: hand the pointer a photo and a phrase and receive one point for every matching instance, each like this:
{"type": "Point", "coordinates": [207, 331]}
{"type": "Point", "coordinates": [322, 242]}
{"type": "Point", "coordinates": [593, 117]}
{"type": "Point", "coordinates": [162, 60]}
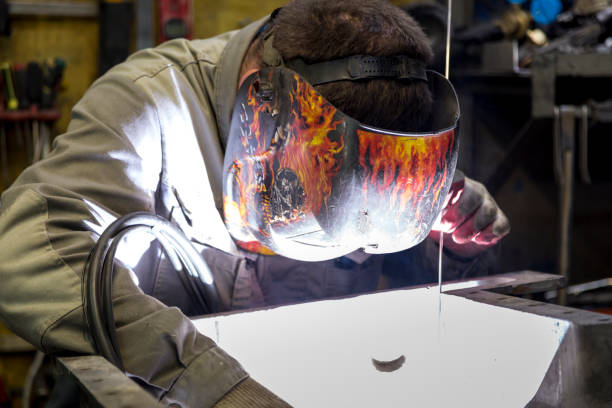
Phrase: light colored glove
{"type": "Point", "coordinates": [471, 220]}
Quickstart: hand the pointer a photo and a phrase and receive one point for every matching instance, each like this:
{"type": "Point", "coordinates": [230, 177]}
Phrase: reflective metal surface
{"type": "Point", "coordinates": [483, 349]}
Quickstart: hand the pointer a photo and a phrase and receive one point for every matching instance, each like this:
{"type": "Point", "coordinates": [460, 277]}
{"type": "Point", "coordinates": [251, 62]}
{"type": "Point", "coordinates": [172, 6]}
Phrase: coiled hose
{"type": "Point", "coordinates": [99, 270]}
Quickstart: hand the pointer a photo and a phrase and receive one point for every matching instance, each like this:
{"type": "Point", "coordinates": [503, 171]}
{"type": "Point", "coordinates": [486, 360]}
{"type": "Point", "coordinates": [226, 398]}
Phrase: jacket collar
{"type": "Point", "coordinates": [226, 75]}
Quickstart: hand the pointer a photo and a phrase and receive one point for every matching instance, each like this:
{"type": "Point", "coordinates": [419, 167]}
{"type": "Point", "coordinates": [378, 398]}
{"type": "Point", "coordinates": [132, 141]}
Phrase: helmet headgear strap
{"type": "Point", "coordinates": [353, 68]}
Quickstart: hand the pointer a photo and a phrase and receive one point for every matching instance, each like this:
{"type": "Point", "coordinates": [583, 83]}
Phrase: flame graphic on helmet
{"type": "Point", "coordinates": [310, 149]}
{"type": "Point", "coordinates": [307, 147]}
{"type": "Point", "coordinates": [405, 170]}
{"type": "Point", "coordinates": [401, 177]}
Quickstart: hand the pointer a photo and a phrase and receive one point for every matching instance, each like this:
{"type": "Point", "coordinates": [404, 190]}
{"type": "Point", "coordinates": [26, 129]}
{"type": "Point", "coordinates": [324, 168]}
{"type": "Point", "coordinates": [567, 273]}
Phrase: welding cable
{"type": "Point", "coordinates": [99, 270]}
{"type": "Point", "coordinates": [181, 261]}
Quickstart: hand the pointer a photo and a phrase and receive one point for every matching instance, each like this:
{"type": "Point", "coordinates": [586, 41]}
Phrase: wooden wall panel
{"type": "Point", "coordinates": [212, 17]}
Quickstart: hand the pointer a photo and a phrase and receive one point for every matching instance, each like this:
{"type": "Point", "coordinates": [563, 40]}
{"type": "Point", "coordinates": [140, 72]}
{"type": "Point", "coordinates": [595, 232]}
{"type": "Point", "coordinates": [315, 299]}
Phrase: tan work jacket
{"type": "Point", "coordinates": [144, 136]}
{"type": "Point", "coordinates": [147, 136]}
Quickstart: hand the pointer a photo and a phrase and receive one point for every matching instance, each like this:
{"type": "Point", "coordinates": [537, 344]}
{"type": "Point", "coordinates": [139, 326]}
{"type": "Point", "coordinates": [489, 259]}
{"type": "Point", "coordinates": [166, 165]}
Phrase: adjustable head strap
{"type": "Point", "coordinates": [358, 67]}
{"type": "Point", "coordinates": [351, 68]}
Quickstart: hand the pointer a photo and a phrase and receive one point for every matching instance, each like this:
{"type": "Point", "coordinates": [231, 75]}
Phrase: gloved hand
{"type": "Point", "coordinates": [471, 220]}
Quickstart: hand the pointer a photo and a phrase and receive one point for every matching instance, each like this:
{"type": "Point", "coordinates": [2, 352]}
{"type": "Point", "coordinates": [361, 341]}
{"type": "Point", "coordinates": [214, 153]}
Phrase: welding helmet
{"type": "Point", "coordinates": [306, 181]}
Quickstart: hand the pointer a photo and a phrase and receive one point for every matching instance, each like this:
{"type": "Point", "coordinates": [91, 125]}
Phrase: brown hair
{"type": "Point", "coordinates": [320, 30]}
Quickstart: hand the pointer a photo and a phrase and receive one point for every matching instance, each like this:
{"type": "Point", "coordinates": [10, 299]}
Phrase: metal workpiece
{"type": "Point", "coordinates": [513, 283]}
{"type": "Point", "coordinates": [104, 385]}
{"type": "Point", "coordinates": [472, 345]}
{"type": "Point", "coordinates": [579, 373]}
{"type": "Point", "coordinates": [468, 346]}
{"type": "Point", "coordinates": [546, 68]}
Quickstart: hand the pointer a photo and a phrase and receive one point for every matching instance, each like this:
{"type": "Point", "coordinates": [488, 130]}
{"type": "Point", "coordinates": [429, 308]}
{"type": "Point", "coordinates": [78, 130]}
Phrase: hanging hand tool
{"type": "Point", "coordinates": [11, 101]}
{"type": "Point", "coordinates": [34, 83]}
{"type": "Point", "coordinates": [11, 104]}
{"type": "Point", "coordinates": [20, 76]}
{"type": "Point", "coordinates": [34, 91]}
{"type": "Point", "coordinates": [52, 73]}
{"type": "Point", "coordinates": [19, 71]}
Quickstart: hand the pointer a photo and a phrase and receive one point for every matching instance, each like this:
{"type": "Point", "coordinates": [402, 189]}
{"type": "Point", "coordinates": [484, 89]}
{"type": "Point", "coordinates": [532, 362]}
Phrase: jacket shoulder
{"type": "Point", "coordinates": [178, 53]}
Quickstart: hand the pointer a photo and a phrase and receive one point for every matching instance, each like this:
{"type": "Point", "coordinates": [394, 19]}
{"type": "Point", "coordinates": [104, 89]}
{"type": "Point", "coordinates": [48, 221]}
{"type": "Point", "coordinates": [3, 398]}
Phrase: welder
{"type": "Point", "coordinates": [294, 153]}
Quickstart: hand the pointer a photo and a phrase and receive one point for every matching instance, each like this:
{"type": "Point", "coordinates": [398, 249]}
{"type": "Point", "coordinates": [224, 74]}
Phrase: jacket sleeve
{"type": "Point", "coordinates": [109, 160]}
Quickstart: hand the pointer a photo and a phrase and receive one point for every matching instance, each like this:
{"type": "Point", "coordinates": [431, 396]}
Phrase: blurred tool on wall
{"type": "Point", "coordinates": [575, 31]}
{"type": "Point", "coordinates": [432, 18]}
{"type": "Point", "coordinates": [5, 22]}
{"type": "Point", "coordinates": [549, 64]}
{"type": "Point", "coordinates": [28, 111]}
{"type": "Point", "coordinates": [510, 33]}
{"type": "Point", "coordinates": [115, 17]}
{"type": "Point", "coordinates": [513, 24]}
{"type": "Point", "coordinates": [175, 19]}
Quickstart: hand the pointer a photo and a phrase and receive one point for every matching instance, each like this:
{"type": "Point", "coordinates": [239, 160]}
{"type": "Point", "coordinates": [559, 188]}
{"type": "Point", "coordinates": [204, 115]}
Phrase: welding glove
{"type": "Point", "coordinates": [471, 220]}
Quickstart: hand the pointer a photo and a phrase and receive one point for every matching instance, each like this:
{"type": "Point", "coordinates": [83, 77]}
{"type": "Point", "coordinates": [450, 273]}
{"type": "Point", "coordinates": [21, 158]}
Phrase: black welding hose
{"type": "Point", "coordinates": [107, 292]}
{"type": "Point", "coordinates": [92, 296]}
{"type": "Point", "coordinates": [99, 270]}
{"type": "Point", "coordinates": [171, 248]}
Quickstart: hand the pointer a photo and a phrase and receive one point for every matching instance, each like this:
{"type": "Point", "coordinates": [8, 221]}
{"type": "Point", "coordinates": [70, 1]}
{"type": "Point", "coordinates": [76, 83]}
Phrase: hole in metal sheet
{"type": "Point", "coordinates": [568, 312]}
{"type": "Point", "coordinates": [389, 366]}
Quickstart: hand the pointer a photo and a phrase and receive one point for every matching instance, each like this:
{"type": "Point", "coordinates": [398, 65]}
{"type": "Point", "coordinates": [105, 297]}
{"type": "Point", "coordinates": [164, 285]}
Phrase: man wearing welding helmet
{"type": "Point", "coordinates": [294, 153]}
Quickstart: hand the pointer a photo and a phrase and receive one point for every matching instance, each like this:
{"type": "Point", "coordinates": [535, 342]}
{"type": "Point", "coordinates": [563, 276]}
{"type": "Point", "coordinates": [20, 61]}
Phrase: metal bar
{"type": "Point", "coordinates": [53, 8]}
{"type": "Point", "coordinates": [581, 288]}
{"type": "Point", "coordinates": [585, 65]}
{"type": "Point", "coordinates": [105, 384]}
{"type": "Point", "coordinates": [584, 145]}
{"type": "Point", "coordinates": [543, 79]}
{"type": "Point", "coordinates": [557, 147]}
{"type": "Point", "coordinates": [513, 283]}
{"type": "Point", "coordinates": [568, 122]}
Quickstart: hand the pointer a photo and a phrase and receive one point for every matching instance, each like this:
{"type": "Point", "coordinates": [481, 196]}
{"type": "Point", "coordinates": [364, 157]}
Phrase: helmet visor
{"type": "Point", "coordinates": [309, 182]}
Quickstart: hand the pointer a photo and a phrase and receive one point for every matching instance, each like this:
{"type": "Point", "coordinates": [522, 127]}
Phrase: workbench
{"type": "Point", "coordinates": [476, 344]}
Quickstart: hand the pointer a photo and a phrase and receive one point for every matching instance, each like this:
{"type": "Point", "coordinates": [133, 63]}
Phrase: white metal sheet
{"type": "Point", "coordinates": [320, 354]}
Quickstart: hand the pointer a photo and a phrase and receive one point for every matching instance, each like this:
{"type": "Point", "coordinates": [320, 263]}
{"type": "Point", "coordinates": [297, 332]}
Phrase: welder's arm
{"type": "Point", "coordinates": [471, 221]}
{"type": "Point", "coordinates": [48, 220]}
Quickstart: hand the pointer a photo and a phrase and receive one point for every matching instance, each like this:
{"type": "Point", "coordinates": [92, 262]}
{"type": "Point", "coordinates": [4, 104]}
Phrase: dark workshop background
{"type": "Point", "coordinates": [505, 142]}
